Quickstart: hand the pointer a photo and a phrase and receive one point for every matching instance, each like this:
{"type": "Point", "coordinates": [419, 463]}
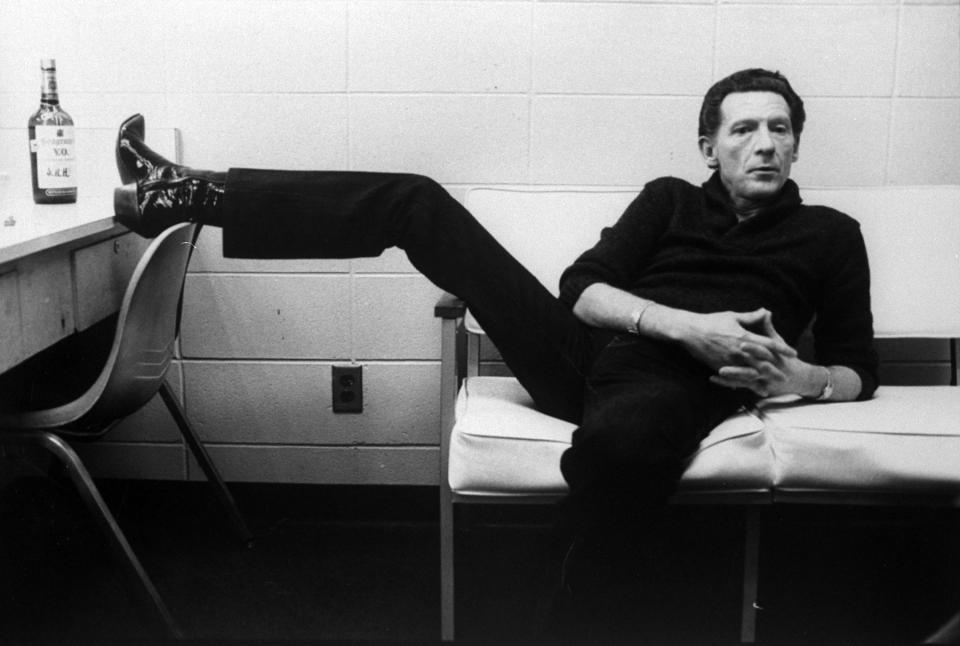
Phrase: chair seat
{"type": "Point", "coordinates": [906, 438]}
{"type": "Point", "coordinates": [501, 445]}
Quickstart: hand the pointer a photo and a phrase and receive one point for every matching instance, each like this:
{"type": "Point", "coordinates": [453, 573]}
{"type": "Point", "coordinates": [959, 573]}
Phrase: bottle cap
{"type": "Point", "coordinates": [48, 63]}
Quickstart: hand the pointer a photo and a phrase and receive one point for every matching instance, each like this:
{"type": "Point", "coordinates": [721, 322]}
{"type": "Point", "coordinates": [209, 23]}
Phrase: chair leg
{"type": "Point", "coordinates": [751, 575]}
{"type": "Point", "coordinates": [446, 565]}
{"type": "Point", "coordinates": [94, 501]}
{"type": "Point", "coordinates": [448, 396]}
{"type": "Point", "coordinates": [203, 459]}
{"type": "Point", "coordinates": [948, 633]}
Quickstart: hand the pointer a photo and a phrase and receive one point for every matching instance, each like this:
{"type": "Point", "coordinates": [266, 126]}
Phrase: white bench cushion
{"type": "Point", "coordinates": [906, 439]}
{"type": "Point", "coordinates": [501, 445]}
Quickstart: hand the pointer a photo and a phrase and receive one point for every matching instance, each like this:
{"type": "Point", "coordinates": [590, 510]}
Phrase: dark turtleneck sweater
{"type": "Point", "coordinates": [683, 246]}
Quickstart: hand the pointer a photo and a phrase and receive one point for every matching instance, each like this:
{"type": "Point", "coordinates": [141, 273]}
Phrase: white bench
{"type": "Point", "coordinates": [903, 446]}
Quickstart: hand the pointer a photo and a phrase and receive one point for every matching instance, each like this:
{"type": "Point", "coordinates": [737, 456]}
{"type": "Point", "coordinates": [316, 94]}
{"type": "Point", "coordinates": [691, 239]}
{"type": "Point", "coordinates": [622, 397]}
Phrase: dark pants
{"type": "Point", "coordinates": [642, 406]}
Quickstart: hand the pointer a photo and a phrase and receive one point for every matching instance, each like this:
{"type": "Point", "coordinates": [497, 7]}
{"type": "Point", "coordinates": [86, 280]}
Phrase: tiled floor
{"type": "Point", "coordinates": [337, 564]}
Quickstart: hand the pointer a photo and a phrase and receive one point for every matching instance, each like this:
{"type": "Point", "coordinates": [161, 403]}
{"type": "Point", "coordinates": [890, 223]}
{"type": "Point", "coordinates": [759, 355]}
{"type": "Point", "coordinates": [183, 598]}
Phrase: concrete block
{"type": "Point", "coordinates": [823, 50]}
{"type": "Point", "coordinates": [451, 138]}
{"type": "Point", "coordinates": [13, 108]}
{"type": "Point", "coordinates": [220, 131]}
{"type": "Point", "coordinates": [107, 111]}
{"type": "Point", "coordinates": [928, 61]}
{"type": "Point", "coordinates": [614, 140]}
{"type": "Point", "coordinates": [621, 48]}
{"type": "Point", "coordinates": [278, 46]}
{"type": "Point", "coordinates": [99, 45]}
{"type": "Point", "coordinates": [393, 318]}
{"type": "Point", "coordinates": [842, 142]}
{"type": "Point", "coordinates": [290, 403]}
{"type": "Point", "coordinates": [133, 461]}
{"type": "Point", "coordinates": [266, 316]}
{"type": "Point", "coordinates": [440, 46]}
{"type": "Point", "coordinates": [326, 465]}
{"type": "Point", "coordinates": [924, 142]}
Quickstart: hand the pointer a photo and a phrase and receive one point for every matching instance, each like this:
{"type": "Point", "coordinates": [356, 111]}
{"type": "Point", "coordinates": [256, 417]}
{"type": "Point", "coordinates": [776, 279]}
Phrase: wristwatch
{"type": "Point", "coordinates": [827, 387]}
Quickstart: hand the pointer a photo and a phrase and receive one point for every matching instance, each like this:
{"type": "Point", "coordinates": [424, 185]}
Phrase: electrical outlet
{"type": "Point", "coordinates": [347, 388]}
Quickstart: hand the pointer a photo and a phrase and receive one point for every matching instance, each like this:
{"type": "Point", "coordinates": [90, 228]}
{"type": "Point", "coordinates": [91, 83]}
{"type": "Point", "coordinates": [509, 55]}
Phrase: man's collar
{"type": "Point", "coordinates": [788, 197]}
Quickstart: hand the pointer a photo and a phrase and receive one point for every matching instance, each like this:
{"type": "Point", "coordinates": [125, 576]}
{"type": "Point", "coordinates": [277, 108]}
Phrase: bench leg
{"type": "Point", "coordinates": [448, 396]}
{"type": "Point", "coordinates": [446, 564]}
{"type": "Point", "coordinates": [751, 573]}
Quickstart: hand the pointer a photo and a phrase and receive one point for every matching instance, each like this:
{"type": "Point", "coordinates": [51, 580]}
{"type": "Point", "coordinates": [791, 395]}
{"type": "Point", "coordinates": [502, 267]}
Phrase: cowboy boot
{"type": "Point", "coordinates": [135, 159]}
{"type": "Point", "coordinates": [169, 195]}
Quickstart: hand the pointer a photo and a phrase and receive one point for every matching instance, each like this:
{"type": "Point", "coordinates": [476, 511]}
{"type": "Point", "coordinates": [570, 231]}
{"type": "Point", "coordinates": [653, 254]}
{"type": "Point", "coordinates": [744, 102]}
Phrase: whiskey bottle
{"type": "Point", "coordinates": [53, 163]}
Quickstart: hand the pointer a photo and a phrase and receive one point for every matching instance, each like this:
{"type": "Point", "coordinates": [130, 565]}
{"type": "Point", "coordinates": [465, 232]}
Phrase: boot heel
{"type": "Point", "coordinates": [125, 204]}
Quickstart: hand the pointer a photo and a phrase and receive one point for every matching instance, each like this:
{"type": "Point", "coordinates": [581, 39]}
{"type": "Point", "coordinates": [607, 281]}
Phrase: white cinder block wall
{"type": "Point", "coordinates": [470, 93]}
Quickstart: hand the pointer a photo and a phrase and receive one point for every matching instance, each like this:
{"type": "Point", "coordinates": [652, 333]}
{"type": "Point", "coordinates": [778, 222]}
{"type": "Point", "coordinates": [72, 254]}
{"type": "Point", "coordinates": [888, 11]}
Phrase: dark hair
{"type": "Point", "coordinates": [751, 80]}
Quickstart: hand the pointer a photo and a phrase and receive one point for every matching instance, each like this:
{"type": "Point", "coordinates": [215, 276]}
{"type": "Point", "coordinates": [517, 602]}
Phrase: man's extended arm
{"type": "Point", "coordinates": [716, 339]}
{"type": "Point", "coordinates": [761, 362]}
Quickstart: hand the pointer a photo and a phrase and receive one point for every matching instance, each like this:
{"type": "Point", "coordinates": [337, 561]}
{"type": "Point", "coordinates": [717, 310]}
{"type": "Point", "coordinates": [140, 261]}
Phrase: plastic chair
{"type": "Point", "coordinates": [134, 371]}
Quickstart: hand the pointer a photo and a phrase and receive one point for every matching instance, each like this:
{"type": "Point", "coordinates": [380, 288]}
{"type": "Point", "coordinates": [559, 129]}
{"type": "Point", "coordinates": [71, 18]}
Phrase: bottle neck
{"type": "Point", "coordinates": [48, 87]}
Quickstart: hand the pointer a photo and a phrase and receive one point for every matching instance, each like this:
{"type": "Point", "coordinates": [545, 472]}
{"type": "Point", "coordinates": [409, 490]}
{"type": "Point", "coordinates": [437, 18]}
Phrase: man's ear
{"type": "Point", "coordinates": [796, 150]}
{"type": "Point", "coordinates": [709, 151]}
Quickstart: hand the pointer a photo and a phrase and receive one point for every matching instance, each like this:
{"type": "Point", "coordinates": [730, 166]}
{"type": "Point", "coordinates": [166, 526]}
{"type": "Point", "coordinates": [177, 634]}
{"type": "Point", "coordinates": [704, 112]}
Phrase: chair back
{"type": "Point", "coordinates": [912, 234]}
{"type": "Point", "coordinates": [545, 229]}
{"type": "Point", "coordinates": [147, 328]}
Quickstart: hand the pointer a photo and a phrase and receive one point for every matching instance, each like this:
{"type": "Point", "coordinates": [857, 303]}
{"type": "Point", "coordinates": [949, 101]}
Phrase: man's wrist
{"type": "Point", "coordinates": [636, 318]}
{"type": "Point", "coordinates": [823, 385]}
{"type": "Point", "coordinates": [656, 322]}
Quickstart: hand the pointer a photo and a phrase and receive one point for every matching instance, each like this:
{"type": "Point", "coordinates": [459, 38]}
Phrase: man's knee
{"type": "Point", "coordinates": [420, 188]}
{"type": "Point", "coordinates": [625, 455]}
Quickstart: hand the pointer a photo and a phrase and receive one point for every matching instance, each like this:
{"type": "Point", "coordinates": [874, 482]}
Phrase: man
{"type": "Point", "coordinates": [687, 308]}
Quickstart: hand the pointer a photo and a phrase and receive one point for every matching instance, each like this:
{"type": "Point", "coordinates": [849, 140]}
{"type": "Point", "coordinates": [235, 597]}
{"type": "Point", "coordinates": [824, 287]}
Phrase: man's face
{"type": "Point", "coordinates": [754, 146]}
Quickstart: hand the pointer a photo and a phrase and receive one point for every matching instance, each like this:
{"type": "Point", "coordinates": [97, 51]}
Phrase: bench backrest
{"type": "Point", "coordinates": [912, 236]}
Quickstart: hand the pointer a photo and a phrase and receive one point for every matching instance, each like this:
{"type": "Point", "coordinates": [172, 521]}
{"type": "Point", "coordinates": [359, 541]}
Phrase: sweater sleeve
{"type": "Point", "coordinates": [843, 329]}
{"type": "Point", "coordinates": [624, 248]}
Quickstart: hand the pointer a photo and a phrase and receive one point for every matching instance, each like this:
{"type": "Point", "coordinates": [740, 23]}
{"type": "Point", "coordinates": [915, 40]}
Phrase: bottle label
{"type": "Point", "coordinates": [48, 89]}
{"type": "Point", "coordinates": [56, 158]}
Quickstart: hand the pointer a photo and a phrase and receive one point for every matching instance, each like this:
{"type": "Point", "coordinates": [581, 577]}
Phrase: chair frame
{"type": "Point", "coordinates": [459, 362]}
{"type": "Point", "coordinates": [453, 338]}
{"type": "Point", "coordinates": [46, 430]}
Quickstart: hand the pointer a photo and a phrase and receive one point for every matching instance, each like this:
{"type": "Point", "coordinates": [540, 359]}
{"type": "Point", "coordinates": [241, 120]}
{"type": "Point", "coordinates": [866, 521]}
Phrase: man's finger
{"type": "Point", "coordinates": [741, 373]}
{"type": "Point", "coordinates": [755, 351]}
{"type": "Point", "coordinates": [751, 318]}
{"type": "Point", "coordinates": [757, 387]}
{"type": "Point", "coordinates": [770, 330]}
{"type": "Point", "coordinates": [776, 345]}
